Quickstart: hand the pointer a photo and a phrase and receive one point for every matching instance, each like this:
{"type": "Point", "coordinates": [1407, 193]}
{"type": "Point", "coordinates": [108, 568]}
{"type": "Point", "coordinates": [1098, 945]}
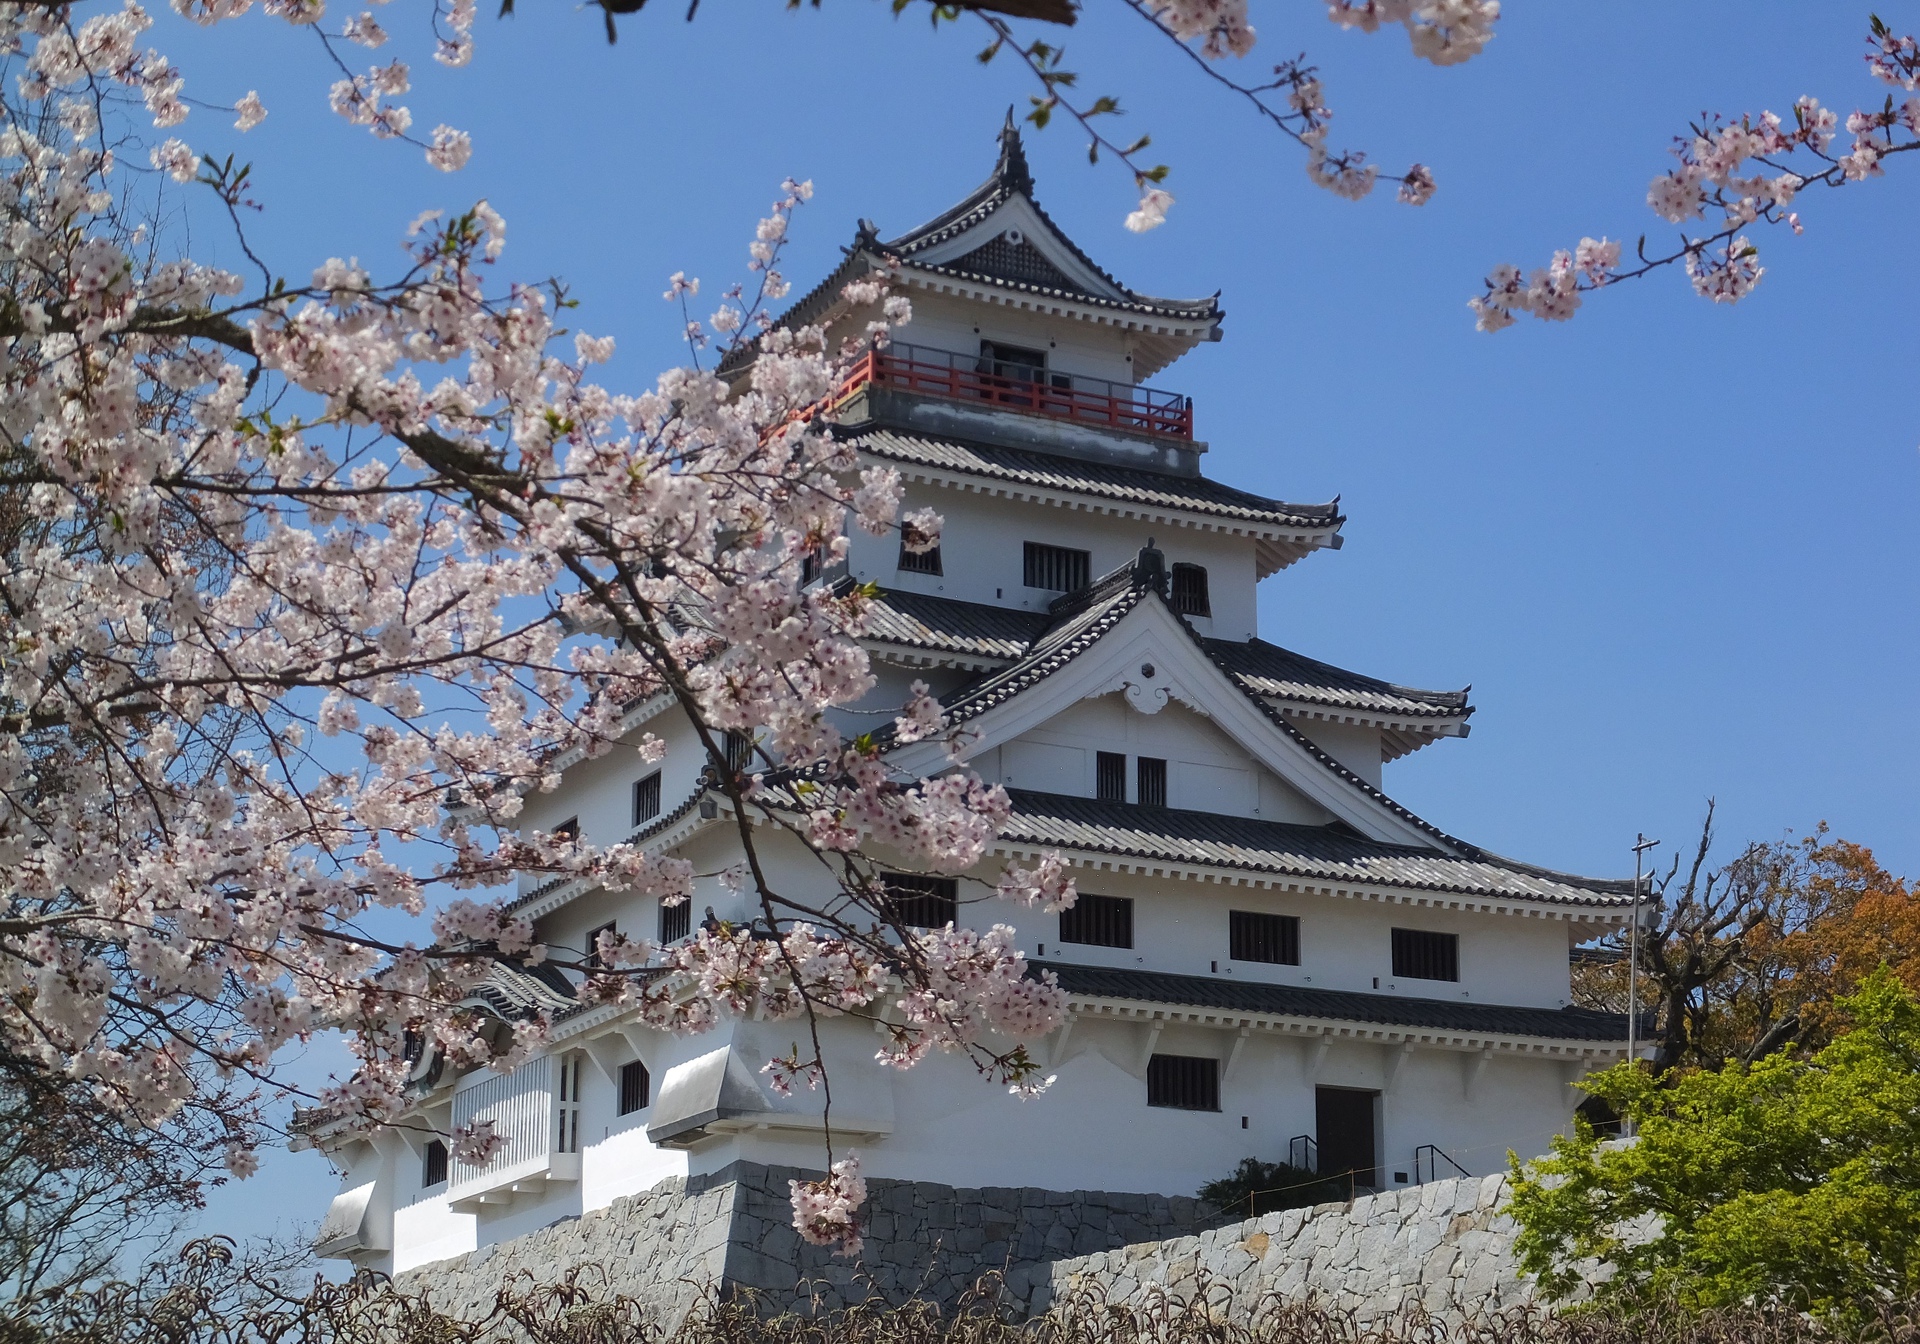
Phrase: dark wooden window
{"type": "Point", "coordinates": [646, 798]}
{"type": "Point", "coordinates": [633, 1087]}
{"type": "Point", "coordinates": [1419, 954]}
{"type": "Point", "coordinates": [923, 902]}
{"type": "Point", "coordinates": [809, 567]}
{"type": "Point", "coordinates": [676, 921]}
{"type": "Point", "coordinates": [919, 562]}
{"type": "Point", "coordinates": [1098, 921]}
{"type": "Point", "coordinates": [1153, 782]}
{"type": "Point", "coordinates": [568, 829]}
{"type": "Point", "coordinates": [1257, 937]}
{"type": "Point", "coordinates": [1059, 568]}
{"type": "Point", "coordinates": [739, 752]}
{"type": "Point", "coordinates": [433, 1165]}
{"type": "Point", "coordinates": [593, 945]}
{"type": "Point", "coordinates": [1189, 594]}
{"type": "Point", "coordinates": [1110, 777]}
{"type": "Point", "coordinates": [1184, 1082]}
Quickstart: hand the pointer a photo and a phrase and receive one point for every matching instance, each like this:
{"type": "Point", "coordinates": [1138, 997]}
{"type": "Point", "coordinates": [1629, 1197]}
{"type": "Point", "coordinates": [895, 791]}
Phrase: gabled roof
{"type": "Point", "coordinates": [1384, 1010]}
{"type": "Point", "coordinates": [1022, 257]}
{"type": "Point", "coordinates": [972, 632]}
{"type": "Point", "coordinates": [1023, 264]}
{"type": "Point", "coordinates": [1286, 531]}
{"type": "Point", "coordinates": [1082, 620]}
{"type": "Point", "coordinates": [1319, 853]}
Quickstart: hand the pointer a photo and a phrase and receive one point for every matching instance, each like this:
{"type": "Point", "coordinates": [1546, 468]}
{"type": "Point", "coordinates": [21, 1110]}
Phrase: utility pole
{"type": "Point", "coordinates": [1640, 848]}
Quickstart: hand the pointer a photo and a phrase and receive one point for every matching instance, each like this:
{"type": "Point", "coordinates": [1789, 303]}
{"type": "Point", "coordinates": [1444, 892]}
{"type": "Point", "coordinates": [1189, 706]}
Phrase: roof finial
{"type": "Point", "coordinates": [1012, 170]}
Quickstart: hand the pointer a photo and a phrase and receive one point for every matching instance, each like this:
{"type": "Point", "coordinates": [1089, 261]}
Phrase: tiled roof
{"type": "Point", "coordinates": [946, 625]}
{"type": "Point", "coordinates": [1331, 854]}
{"type": "Point", "coordinates": [919, 621]}
{"type": "Point", "coordinates": [1267, 669]}
{"type": "Point", "coordinates": [522, 991]}
{"type": "Point", "coordinates": [1387, 1010]}
{"type": "Point", "coordinates": [1133, 485]}
{"type": "Point", "coordinates": [1009, 266]}
{"type": "Point", "coordinates": [1074, 630]}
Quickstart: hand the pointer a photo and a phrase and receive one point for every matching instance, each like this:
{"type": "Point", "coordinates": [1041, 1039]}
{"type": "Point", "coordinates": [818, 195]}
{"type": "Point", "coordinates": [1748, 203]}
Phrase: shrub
{"type": "Point", "coordinates": [1258, 1187]}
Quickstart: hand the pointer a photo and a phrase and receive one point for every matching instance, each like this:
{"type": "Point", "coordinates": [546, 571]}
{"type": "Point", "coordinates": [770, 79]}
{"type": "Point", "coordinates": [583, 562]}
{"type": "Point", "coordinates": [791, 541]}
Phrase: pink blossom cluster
{"type": "Point", "coordinates": [826, 1212]}
{"type": "Point", "coordinates": [1445, 32]}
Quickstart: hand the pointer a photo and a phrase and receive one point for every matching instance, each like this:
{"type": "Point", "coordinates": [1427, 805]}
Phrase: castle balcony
{"type": "Point", "coordinates": [1023, 388]}
{"type": "Point", "coordinates": [536, 1109]}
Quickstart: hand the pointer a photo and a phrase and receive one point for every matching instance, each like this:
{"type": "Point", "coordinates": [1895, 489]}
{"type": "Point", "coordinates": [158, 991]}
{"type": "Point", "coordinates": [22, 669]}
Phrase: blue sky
{"type": "Point", "coordinates": [1670, 544]}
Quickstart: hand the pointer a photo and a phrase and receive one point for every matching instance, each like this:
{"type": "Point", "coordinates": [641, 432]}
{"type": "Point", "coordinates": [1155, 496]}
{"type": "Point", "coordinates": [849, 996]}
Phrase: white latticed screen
{"type": "Point", "coordinates": [521, 1107]}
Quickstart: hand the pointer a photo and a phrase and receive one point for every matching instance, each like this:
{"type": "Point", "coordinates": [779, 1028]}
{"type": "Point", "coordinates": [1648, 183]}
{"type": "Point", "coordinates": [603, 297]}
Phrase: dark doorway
{"type": "Point", "coordinates": [1343, 1119]}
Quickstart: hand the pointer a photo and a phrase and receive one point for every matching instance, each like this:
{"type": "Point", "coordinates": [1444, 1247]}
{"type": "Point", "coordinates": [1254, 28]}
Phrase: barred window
{"type": "Point", "coordinates": [1189, 594]}
{"type": "Point", "coordinates": [646, 798]}
{"type": "Point", "coordinates": [919, 562]}
{"type": "Point", "coordinates": [922, 902]}
{"type": "Point", "coordinates": [593, 946]}
{"type": "Point", "coordinates": [739, 752]}
{"type": "Point", "coordinates": [633, 1087]}
{"type": "Point", "coordinates": [676, 921]}
{"type": "Point", "coordinates": [1059, 568]}
{"type": "Point", "coordinates": [433, 1165]}
{"type": "Point", "coordinates": [568, 829]}
{"type": "Point", "coordinates": [1184, 1082]}
{"type": "Point", "coordinates": [1257, 937]}
{"type": "Point", "coordinates": [1153, 782]}
{"type": "Point", "coordinates": [1110, 777]}
{"type": "Point", "coordinates": [1419, 954]}
{"type": "Point", "coordinates": [1098, 921]}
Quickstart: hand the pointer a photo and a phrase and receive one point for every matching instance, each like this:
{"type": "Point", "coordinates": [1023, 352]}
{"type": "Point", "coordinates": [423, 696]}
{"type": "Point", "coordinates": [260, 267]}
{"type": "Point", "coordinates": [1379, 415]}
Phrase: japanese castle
{"type": "Point", "coordinates": [1269, 956]}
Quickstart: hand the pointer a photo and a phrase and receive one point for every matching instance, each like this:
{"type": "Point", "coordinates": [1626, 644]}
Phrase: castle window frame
{"type": "Point", "coordinates": [1055, 569]}
{"type": "Point", "coordinates": [646, 799]}
{"type": "Point", "coordinates": [1098, 921]}
{"type": "Point", "coordinates": [1426, 954]}
{"type": "Point", "coordinates": [635, 1088]}
{"type": "Point", "coordinates": [1110, 776]}
{"type": "Point", "coordinates": [922, 902]}
{"type": "Point", "coordinates": [1256, 936]}
{"type": "Point", "coordinates": [1188, 594]}
{"type": "Point", "coordinates": [1184, 1082]}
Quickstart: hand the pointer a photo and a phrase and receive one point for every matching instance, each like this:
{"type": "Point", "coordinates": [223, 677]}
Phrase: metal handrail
{"type": "Point", "coordinates": [1060, 396]}
{"type": "Point", "coordinates": [1435, 1155]}
{"type": "Point", "coordinates": [1303, 1152]}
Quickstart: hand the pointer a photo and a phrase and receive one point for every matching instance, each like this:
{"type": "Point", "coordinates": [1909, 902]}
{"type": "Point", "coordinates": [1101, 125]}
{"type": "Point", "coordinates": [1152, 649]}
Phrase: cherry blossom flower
{"type": "Point", "coordinates": [1152, 212]}
{"type": "Point", "coordinates": [251, 111]}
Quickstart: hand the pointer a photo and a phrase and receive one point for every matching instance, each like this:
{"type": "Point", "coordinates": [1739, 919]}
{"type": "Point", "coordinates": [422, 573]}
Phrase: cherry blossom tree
{"type": "Point", "coordinates": [307, 587]}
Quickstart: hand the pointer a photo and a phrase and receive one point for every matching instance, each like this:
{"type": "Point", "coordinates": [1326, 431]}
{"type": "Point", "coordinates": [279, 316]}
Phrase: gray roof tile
{"type": "Point", "coordinates": [1133, 485]}
{"type": "Point", "coordinates": [1386, 1010]}
{"type": "Point", "coordinates": [1322, 854]}
{"type": "Point", "coordinates": [1267, 669]}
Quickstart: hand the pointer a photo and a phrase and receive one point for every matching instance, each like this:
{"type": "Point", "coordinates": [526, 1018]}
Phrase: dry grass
{"type": "Point", "coordinates": [210, 1296]}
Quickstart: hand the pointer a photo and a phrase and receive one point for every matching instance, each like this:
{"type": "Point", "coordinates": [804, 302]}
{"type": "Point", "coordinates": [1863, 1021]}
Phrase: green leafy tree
{"type": "Point", "coordinates": [1793, 1182]}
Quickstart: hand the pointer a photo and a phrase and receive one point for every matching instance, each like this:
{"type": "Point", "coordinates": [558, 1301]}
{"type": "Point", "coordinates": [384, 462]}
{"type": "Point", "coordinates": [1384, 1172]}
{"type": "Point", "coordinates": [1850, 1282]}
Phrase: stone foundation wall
{"type": "Point", "coordinates": [1446, 1245]}
{"type": "Point", "coordinates": [733, 1230]}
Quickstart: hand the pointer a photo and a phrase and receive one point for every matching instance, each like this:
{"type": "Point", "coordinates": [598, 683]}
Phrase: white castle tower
{"type": "Point", "coordinates": [1269, 956]}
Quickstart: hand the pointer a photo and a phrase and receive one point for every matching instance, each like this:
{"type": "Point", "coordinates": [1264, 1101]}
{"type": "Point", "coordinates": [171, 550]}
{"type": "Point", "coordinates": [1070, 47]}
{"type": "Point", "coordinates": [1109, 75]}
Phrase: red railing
{"type": "Point", "coordinates": [1086, 401]}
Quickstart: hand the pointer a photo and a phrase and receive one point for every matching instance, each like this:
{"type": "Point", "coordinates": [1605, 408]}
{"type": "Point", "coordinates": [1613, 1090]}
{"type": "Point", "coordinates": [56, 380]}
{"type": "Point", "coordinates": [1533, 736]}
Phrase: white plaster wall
{"type": "Point", "coordinates": [943, 322]}
{"type": "Point", "coordinates": [1355, 747]}
{"type": "Point", "coordinates": [981, 550]}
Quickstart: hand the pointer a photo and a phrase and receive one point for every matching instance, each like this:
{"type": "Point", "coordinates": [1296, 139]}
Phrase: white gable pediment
{"type": "Point", "coordinates": [1149, 661]}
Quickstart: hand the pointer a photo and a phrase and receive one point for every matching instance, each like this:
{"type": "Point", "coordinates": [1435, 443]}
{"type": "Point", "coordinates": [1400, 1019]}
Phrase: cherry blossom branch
{"type": "Point", "coordinates": [1723, 264]}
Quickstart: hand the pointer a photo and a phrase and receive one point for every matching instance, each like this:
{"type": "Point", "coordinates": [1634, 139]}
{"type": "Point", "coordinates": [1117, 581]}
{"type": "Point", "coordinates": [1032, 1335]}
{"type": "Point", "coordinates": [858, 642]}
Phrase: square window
{"type": "Point", "coordinates": [1110, 777]}
{"type": "Point", "coordinates": [1098, 921]}
{"type": "Point", "coordinates": [676, 921]}
{"type": "Point", "coordinates": [1420, 954]}
{"type": "Point", "coordinates": [919, 562]}
{"type": "Point", "coordinates": [593, 945]}
{"type": "Point", "coordinates": [646, 798]}
{"type": "Point", "coordinates": [922, 902]}
{"type": "Point", "coordinates": [1189, 592]}
{"type": "Point", "coordinates": [1059, 569]}
{"type": "Point", "coordinates": [633, 1087]}
{"type": "Point", "coordinates": [1258, 937]}
{"type": "Point", "coordinates": [1184, 1082]}
{"type": "Point", "coordinates": [1153, 782]}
